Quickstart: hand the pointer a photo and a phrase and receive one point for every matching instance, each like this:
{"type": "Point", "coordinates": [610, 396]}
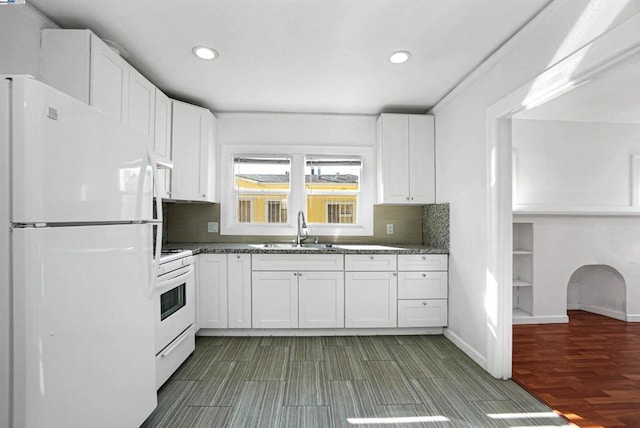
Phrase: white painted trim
{"type": "Point", "coordinates": [596, 56]}
{"type": "Point", "coordinates": [550, 319]}
{"type": "Point", "coordinates": [565, 211]}
{"type": "Point", "coordinates": [319, 331]}
{"type": "Point", "coordinates": [466, 348]}
{"type": "Point", "coordinates": [633, 318]}
{"type": "Point", "coordinates": [297, 194]}
{"type": "Point", "coordinates": [635, 180]}
{"type": "Point", "coordinates": [603, 311]}
{"type": "Point", "coordinates": [495, 57]}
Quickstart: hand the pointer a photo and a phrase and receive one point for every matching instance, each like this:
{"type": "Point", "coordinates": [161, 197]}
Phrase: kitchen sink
{"type": "Point", "coordinates": [291, 246]}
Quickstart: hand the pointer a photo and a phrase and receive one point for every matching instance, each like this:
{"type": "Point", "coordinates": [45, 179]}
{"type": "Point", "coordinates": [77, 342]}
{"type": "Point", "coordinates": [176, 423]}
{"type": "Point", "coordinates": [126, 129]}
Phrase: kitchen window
{"type": "Point", "coordinates": [262, 185]}
{"type": "Point", "coordinates": [268, 185]}
{"type": "Point", "coordinates": [332, 186]}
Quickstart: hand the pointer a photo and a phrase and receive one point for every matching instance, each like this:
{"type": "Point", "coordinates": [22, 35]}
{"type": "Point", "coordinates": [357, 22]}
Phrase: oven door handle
{"type": "Point", "coordinates": [169, 349]}
{"type": "Point", "coordinates": [169, 283]}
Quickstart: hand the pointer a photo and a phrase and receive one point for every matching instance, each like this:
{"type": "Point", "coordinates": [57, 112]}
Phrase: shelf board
{"type": "Point", "coordinates": [520, 251]}
{"type": "Point", "coordinates": [521, 283]}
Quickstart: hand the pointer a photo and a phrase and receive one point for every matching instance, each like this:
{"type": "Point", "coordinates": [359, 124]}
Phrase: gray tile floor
{"type": "Point", "coordinates": [369, 381]}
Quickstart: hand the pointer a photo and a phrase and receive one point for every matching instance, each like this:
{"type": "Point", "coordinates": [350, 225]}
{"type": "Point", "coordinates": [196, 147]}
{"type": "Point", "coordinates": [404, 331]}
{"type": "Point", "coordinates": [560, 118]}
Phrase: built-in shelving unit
{"type": "Point", "coordinates": [522, 271]}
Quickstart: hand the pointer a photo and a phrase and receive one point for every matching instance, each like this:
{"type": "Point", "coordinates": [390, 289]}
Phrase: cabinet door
{"type": "Point", "coordinates": [370, 299]}
{"type": "Point", "coordinates": [212, 305]}
{"type": "Point", "coordinates": [393, 158]}
{"type": "Point", "coordinates": [321, 297]}
{"type": "Point", "coordinates": [421, 160]}
{"type": "Point", "coordinates": [190, 152]}
{"type": "Point", "coordinates": [109, 90]}
{"type": "Point", "coordinates": [142, 103]}
{"type": "Point", "coordinates": [239, 290]}
{"type": "Point", "coordinates": [274, 299]}
{"type": "Point", "coordinates": [162, 138]}
{"type": "Point", "coordinates": [422, 313]}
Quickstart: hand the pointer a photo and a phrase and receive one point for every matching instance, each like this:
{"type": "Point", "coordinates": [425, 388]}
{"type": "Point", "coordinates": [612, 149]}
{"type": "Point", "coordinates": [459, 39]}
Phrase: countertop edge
{"type": "Point", "coordinates": [233, 248]}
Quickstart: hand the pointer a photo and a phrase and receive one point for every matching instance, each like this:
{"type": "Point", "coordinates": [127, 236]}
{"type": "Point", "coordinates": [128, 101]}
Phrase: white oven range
{"type": "Point", "coordinates": [174, 306]}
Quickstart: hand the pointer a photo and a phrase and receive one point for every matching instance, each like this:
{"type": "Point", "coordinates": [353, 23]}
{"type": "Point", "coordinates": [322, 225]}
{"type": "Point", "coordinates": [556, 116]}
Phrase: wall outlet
{"type": "Point", "coordinates": [390, 229]}
{"type": "Point", "coordinates": [212, 227]}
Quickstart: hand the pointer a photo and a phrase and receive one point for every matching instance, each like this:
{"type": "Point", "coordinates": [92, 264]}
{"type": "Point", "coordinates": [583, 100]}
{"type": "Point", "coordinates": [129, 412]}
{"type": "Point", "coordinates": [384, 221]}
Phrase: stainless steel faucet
{"type": "Point", "coordinates": [302, 228]}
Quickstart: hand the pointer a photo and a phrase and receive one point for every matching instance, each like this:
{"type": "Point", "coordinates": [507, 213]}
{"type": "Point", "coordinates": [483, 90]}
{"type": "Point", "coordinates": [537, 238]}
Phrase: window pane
{"type": "Point", "coordinates": [332, 188]}
{"type": "Point", "coordinates": [262, 186]}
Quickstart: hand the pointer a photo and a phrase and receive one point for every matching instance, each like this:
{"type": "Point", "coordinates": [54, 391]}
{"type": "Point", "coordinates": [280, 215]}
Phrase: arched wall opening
{"type": "Point", "coordinates": [600, 289]}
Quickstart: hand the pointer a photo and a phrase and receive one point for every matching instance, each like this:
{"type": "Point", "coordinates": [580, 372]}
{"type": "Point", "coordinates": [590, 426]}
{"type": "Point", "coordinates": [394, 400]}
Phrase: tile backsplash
{"type": "Point", "coordinates": [435, 226]}
{"type": "Point", "coordinates": [187, 222]}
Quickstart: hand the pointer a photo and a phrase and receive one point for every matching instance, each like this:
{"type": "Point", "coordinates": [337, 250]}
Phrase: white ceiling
{"type": "Point", "coordinates": [302, 55]}
{"type": "Point", "coordinates": [612, 96]}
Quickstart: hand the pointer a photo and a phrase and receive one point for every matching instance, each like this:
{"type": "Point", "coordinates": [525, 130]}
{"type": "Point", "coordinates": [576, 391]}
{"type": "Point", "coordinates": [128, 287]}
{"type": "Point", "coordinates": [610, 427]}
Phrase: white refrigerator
{"type": "Point", "coordinates": [76, 263]}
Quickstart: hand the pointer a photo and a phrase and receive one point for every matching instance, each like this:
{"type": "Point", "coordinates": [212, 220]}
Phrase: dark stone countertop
{"type": "Point", "coordinates": [221, 248]}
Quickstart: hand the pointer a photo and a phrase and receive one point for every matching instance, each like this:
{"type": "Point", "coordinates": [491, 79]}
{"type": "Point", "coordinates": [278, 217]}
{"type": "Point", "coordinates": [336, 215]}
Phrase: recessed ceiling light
{"type": "Point", "coordinates": [400, 57]}
{"type": "Point", "coordinates": [204, 52]}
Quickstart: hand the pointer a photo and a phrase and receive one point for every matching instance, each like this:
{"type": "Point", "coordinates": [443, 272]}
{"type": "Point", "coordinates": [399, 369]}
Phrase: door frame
{"type": "Point", "coordinates": [577, 69]}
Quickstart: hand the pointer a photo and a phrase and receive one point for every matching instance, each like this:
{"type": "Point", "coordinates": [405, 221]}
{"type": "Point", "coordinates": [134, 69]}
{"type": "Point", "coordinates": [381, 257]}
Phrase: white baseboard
{"type": "Point", "coordinates": [548, 319]}
{"type": "Point", "coordinates": [603, 311]}
{"type": "Point", "coordinates": [633, 318]}
{"type": "Point", "coordinates": [318, 331]}
{"type": "Point", "coordinates": [466, 348]}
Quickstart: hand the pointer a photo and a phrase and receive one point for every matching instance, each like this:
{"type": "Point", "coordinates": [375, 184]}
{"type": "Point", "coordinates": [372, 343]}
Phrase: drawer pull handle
{"type": "Point", "coordinates": [424, 303]}
{"type": "Point", "coordinates": [424, 257]}
{"type": "Point", "coordinates": [394, 274]}
{"type": "Point", "coordinates": [238, 256]}
{"type": "Point", "coordinates": [371, 257]}
{"type": "Point", "coordinates": [424, 275]}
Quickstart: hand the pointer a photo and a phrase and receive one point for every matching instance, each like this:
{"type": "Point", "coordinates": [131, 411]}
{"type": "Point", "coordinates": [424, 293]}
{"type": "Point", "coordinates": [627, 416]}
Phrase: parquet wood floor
{"type": "Point", "coordinates": [588, 369]}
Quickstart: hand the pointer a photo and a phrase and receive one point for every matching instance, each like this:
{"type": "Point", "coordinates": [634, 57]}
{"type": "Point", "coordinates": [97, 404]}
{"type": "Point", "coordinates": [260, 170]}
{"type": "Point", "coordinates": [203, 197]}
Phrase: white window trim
{"type": "Point", "coordinates": [297, 196]}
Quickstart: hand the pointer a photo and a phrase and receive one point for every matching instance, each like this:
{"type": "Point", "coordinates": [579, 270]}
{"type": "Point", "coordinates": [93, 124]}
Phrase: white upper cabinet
{"type": "Point", "coordinates": [193, 151]}
{"type": "Point", "coordinates": [162, 138]}
{"type": "Point", "coordinates": [142, 103]}
{"type": "Point", "coordinates": [406, 161]}
{"type": "Point", "coordinates": [78, 63]}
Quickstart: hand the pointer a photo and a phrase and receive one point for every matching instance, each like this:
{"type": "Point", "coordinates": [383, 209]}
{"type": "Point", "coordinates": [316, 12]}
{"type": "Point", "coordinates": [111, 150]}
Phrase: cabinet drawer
{"type": "Point", "coordinates": [370, 262]}
{"type": "Point", "coordinates": [297, 262]}
{"type": "Point", "coordinates": [422, 262]}
{"type": "Point", "coordinates": [422, 285]}
{"type": "Point", "coordinates": [422, 313]}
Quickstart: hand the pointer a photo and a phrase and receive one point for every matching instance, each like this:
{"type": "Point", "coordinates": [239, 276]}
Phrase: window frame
{"type": "Point", "coordinates": [297, 196]}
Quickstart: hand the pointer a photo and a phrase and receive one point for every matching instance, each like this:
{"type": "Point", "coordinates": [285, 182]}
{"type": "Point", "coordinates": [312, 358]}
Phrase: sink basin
{"type": "Point", "coordinates": [290, 246]}
{"type": "Point", "coordinates": [366, 247]}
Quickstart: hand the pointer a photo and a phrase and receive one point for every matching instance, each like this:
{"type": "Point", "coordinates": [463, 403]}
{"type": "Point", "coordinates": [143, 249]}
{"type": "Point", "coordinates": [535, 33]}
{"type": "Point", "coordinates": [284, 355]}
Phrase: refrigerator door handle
{"type": "Point", "coordinates": [157, 221]}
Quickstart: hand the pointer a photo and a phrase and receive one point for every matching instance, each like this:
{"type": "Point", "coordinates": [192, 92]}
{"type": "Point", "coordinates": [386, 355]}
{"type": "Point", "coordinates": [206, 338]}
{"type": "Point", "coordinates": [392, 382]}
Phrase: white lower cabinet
{"type": "Point", "coordinates": [274, 298]}
{"type": "Point", "coordinates": [239, 290]}
{"type": "Point", "coordinates": [371, 299]}
{"type": "Point", "coordinates": [320, 299]}
{"type": "Point", "coordinates": [423, 289]}
{"type": "Point", "coordinates": [212, 301]}
{"type": "Point", "coordinates": [297, 291]}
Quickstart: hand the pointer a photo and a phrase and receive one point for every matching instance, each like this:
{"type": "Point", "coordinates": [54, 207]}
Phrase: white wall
{"type": "Point", "coordinates": [462, 174]}
{"type": "Point", "coordinates": [20, 27]}
{"type": "Point", "coordinates": [298, 129]}
{"type": "Point", "coordinates": [574, 165]}
{"type": "Point", "coordinates": [563, 244]}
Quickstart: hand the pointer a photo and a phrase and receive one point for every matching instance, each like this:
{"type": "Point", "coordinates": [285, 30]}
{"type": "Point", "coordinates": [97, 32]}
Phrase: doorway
{"type": "Point", "coordinates": [564, 77]}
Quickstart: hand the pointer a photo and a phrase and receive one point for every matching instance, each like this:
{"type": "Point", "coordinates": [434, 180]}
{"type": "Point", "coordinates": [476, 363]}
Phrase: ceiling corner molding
{"type": "Point", "coordinates": [494, 57]}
